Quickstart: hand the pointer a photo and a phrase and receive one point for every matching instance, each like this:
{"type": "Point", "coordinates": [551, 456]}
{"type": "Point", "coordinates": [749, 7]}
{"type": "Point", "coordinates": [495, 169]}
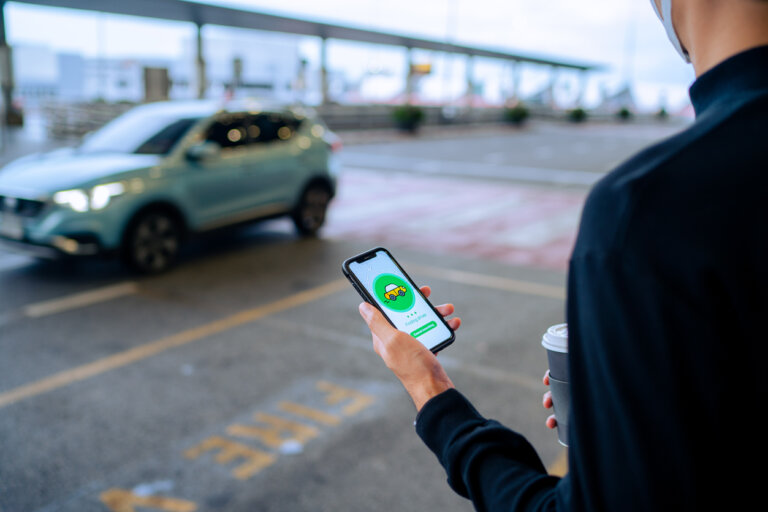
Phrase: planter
{"type": "Point", "coordinates": [577, 115]}
{"type": "Point", "coordinates": [624, 114]}
{"type": "Point", "coordinates": [516, 115]}
{"type": "Point", "coordinates": [408, 118]}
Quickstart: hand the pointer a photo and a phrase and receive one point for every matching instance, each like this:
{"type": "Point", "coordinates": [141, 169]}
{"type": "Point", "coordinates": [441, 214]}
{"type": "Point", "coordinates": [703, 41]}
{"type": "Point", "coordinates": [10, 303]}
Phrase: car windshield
{"type": "Point", "coordinates": [138, 132]}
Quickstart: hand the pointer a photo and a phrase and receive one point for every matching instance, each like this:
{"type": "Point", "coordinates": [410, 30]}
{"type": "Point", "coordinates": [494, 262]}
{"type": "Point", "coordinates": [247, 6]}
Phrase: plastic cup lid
{"type": "Point", "coordinates": [556, 338]}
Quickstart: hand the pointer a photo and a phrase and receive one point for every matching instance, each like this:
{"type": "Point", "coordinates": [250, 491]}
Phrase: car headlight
{"type": "Point", "coordinates": [102, 194]}
{"type": "Point", "coordinates": [75, 199]}
{"type": "Point", "coordinates": [95, 199]}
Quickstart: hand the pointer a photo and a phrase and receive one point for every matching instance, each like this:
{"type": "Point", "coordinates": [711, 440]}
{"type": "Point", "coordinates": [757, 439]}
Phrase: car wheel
{"type": "Point", "coordinates": [401, 293]}
{"type": "Point", "coordinates": [152, 242]}
{"type": "Point", "coordinates": [309, 215]}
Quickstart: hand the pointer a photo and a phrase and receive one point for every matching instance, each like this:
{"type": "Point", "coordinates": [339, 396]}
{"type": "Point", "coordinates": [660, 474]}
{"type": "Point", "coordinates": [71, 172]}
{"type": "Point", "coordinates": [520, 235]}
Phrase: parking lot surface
{"type": "Point", "coordinates": [244, 378]}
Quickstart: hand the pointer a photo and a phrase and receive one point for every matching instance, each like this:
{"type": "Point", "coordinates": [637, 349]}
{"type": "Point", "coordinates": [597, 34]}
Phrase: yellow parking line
{"type": "Point", "coordinates": [176, 340]}
{"type": "Point", "coordinates": [560, 466]}
{"type": "Point", "coordinates": [155, 347]}
{"type": "Point", "coordinates": [79, 300]}
{"type": "Point", "coordinates": [499, 283]}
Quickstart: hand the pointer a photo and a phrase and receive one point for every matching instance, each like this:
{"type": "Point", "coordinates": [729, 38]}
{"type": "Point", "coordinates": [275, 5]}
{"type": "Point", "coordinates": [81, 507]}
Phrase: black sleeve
{"type": "Point", "coordinates": [486, 462]}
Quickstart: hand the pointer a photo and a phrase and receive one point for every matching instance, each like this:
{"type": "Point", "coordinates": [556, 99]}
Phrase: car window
{"type": "Point", "coordinates": [163, 141]}
{"type": "Point", "coordinates": [138, 131]}
{"type": "Point", "coordinates": [229, 132]}
{"type": "Point", "coordinates": [272, 126]}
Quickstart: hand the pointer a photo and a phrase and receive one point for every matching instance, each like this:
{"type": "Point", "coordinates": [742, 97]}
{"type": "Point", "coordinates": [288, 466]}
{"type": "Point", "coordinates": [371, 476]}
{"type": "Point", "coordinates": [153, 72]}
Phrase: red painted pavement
{"type": "Point", "coordinates": [514, 224]}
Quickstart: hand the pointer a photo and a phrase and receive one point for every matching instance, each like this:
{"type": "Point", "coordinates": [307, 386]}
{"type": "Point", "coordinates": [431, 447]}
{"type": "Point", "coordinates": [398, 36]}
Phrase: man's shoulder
{"type": "Point", "coordinates": [612, 203]}
{"type": "Point", "coordinates": [703, 177]}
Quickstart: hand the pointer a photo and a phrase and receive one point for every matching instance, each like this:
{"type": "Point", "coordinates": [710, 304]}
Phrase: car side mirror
{"type": "Point", "coordinates": [203, 151]}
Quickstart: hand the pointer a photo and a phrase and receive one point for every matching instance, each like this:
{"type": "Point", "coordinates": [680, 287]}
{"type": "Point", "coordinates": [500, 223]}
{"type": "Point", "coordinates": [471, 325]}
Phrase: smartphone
{"type": "Point", "coordinates": [382, 282]}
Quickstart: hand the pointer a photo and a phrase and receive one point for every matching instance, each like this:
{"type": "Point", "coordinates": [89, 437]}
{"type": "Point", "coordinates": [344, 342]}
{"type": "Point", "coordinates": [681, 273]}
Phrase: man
{"type": "Point", "coordinates": [667, 303]}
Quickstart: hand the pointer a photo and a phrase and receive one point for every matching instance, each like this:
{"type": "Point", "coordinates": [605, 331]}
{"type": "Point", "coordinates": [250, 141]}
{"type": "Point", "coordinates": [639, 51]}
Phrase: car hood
{"type": "Point", "coordinates": [41, 175]}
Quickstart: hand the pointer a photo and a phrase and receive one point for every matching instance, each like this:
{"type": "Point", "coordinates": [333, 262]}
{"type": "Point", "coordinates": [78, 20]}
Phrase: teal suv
{"type": "Point", "coordinates": [142, 183]}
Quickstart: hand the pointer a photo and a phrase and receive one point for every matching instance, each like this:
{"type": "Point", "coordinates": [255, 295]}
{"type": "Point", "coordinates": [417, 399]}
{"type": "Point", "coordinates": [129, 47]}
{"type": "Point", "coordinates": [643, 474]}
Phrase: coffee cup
{"type": "Point", "coordinates": [555, 340]}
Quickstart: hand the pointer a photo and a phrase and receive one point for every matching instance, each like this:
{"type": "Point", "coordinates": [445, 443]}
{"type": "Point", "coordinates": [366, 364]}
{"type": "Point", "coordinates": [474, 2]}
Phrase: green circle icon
{"type": "Point", "coordinates": [393, 292]}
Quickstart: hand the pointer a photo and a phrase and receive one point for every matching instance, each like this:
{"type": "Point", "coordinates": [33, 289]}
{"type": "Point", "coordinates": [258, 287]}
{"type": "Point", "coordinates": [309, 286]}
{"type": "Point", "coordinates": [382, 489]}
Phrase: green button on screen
{"type": "Point", "coordinates": [424, 328]}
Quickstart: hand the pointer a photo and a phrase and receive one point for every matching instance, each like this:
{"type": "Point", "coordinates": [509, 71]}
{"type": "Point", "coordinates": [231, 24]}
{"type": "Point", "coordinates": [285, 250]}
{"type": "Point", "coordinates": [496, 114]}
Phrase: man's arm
{"type": "Point", "coordinates": [491, 465]}
{"type": "Point", "coordinates": [496, 468]}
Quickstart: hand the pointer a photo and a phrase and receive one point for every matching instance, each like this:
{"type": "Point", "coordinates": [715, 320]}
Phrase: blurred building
{"type": "Point", "coordinates": [613, 103]}
{"type": "Point", "coordinates": [244, 64]}
{"type": "Point", "coordinates": [249, 63]}
{"type": "Point", "coordinates": [36, 72]}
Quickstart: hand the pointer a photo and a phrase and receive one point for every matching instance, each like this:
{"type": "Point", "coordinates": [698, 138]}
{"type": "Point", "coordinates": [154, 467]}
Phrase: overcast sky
{"type": "Point", "coordinates": [624, 34]}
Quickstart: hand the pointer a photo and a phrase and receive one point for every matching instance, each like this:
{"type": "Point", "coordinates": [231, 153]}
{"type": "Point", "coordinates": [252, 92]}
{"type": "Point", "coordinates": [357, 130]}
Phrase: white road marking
{"type": "Point", "coordinates": [466, 216]}
{"type": "Point", "coordinates": [536, 234]}
{"type": "Point", "coordinates": [12, 261]}
{"type": "Point", "coordinates": [79, 300]}
{"type": "Point", "coordinates": [474, 169]}
{"type": "Point", "coordinates": [489, 281]}
{"type": "Point", "coordinates": [383, 206]}
{"type": "Point", "coordinates": [428, 166]}
{"type": "Point", "coordinates": [494, 158]}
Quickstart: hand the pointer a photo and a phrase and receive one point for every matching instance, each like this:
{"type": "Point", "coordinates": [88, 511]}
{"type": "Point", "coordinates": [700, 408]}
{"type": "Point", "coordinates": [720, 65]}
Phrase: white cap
{"type": "Point", "coordinates": [556, 338]}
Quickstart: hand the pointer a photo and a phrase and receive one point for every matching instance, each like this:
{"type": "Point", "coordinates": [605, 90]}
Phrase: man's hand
{"type": "Point", "coordinates": [417, 368]}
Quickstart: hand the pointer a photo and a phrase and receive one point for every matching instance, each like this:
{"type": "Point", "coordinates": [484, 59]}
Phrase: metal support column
{"type": "Point", "coordinates": [6, 69]}
{"type": "Point", "coordinates": [324, 71]}
{"type": "Point", "coordinates": [552, 84]}
{"type": "Point", "coordinates": [470, 80]}
{"type": "Point", "coordinates": [516, 72]}
{"type": "Point", "coordinates": [202, 81]}
{"type": "Point", "coordinates": [409, 77]}
{"type": "Point", "coordinates": [584, 78]}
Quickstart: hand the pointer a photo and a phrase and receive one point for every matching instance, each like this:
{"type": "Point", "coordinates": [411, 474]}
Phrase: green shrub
{"type": "Point", "coordinates": [517, 114]}
{"type": "Point", "coordinates": [624, 114]}
{"type": "Point", "coordinates": [577, 115]}
{"type": "Point", "coordinates": [408, 117]}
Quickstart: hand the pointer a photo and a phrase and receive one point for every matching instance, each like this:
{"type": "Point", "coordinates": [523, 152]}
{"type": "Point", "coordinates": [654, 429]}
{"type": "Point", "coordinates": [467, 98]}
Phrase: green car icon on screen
{"type": "Point", "coordinates": [392, 291]}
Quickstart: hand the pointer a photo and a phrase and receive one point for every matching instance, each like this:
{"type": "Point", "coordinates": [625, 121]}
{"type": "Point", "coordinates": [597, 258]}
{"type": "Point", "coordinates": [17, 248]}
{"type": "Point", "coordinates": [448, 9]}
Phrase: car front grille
{"type": "Point", "coordinates": [21, 207]}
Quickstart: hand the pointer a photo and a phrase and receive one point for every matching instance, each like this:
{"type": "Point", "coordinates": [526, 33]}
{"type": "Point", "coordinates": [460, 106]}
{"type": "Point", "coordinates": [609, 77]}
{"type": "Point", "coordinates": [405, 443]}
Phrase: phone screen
{"type": "Point", "coordinates": [397, 296]}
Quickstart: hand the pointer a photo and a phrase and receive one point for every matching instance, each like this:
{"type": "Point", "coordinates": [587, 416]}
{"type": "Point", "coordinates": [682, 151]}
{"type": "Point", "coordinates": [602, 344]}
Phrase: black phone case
{"type": "Point", "coordinates": [358, 286]}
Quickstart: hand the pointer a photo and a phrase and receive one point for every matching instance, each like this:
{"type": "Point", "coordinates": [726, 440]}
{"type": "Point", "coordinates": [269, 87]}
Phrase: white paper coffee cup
{"type": "Point", "coordinates": [555, 340]}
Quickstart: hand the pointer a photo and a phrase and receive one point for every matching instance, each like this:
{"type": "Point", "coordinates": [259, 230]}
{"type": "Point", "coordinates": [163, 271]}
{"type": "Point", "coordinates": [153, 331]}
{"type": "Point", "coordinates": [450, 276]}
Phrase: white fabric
{"type": "Point", "coordinates": [666, 17]}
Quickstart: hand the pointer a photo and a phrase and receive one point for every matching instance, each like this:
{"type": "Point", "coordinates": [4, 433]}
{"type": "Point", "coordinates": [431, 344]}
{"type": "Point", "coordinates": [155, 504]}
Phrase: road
{"type": "Point", "coordinates": [244, 379]}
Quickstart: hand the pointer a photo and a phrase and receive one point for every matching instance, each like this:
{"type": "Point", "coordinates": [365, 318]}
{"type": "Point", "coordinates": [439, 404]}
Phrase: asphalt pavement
{"type": "Point", "coordinates": [244, 379]}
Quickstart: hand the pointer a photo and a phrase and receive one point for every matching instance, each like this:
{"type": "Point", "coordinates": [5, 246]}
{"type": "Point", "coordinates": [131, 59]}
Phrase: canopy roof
{"type": "Point", "coordinates": [203, 14]}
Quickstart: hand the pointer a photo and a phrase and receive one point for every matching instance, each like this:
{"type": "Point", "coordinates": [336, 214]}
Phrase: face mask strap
{"type": "Point", "coordinates": [666, 17]}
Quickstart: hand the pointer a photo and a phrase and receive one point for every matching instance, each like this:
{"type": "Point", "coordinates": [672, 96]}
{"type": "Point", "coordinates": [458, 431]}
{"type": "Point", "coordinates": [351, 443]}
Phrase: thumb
{"type": "Point", "coordinates": [376, 321]}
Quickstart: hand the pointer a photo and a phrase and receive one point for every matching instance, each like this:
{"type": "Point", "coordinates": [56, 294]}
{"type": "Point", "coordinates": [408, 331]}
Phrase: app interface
{"type": "Point", "coordinates": [404, 306]}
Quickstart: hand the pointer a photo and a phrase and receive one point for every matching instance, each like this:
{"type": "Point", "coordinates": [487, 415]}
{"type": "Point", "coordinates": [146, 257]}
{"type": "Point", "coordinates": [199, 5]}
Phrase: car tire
{"type": "Point", "coordinates": [152, 242]}
{"type": "Point", "coordinates": [309, 215]}
{"type": "Point", "coordinates": [401, 293]}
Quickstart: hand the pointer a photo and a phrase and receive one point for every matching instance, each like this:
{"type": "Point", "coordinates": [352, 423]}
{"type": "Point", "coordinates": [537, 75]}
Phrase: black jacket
{"type": "Point", "coordinates": [668, 330]}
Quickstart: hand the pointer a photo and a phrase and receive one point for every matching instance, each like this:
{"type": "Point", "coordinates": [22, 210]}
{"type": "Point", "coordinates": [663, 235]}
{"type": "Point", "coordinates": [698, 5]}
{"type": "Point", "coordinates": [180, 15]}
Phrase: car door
{"type": "Point", "coordinates": [218, 188]}
{"type": "Point", "coordinates": [271, 161]}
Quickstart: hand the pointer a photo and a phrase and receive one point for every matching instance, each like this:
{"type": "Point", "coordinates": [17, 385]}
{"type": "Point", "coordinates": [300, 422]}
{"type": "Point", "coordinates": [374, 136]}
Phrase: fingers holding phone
{"type": "Point", "coordinates": [407, 330]}
{"type": "Point", "coordinates": [417, 368]}
{"type": "Point", "coordinates": [445, 310]}
{"type": "Point", "coordinates": [382, 282]}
